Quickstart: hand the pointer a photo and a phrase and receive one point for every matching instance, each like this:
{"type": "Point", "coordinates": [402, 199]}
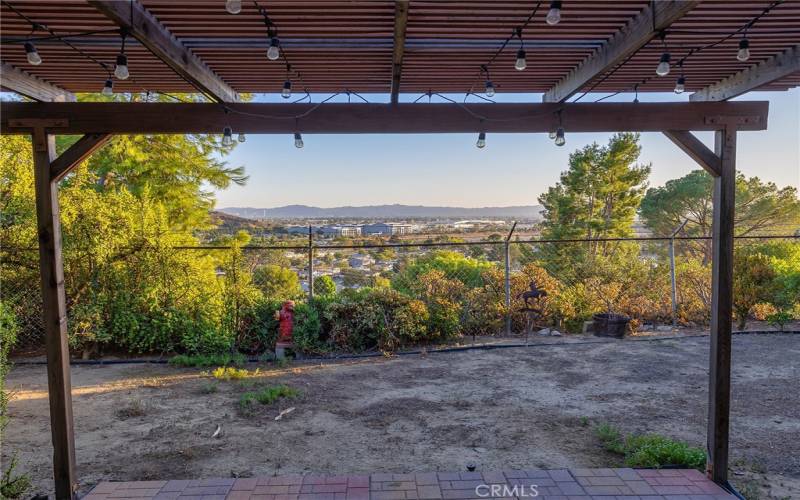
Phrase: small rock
{"type": "Point", "coordinates": [544, 331]}
{"type": "Point", "coordinates": [555, 333]}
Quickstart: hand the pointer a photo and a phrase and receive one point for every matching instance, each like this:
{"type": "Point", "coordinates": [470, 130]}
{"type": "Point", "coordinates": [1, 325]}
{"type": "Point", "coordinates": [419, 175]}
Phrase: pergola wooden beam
{"type": "Point", "coordinates": [400, 23]}
{"type": "Point", "coordinates": [698, 151]}
{"type": "Point", "coordinates": [768, 71]}
{"type": "Point", "coordinates": [16, 80]}
{"type": "Point", "coordinates": [76, 153]}
{"type": "Point", "coordinates": [655, 18]}
{"type": "Point", "coordinates": [142, 25]}
{"type": "Point", "coordinates": [719, 377]}
{"type": "Point", "coordinates": [340, 118]}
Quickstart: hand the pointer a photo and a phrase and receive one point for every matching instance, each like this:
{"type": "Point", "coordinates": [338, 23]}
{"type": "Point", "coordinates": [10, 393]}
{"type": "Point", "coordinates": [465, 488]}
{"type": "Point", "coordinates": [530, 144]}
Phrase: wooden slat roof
{"type": "Point", "coordinates": [336, 45]}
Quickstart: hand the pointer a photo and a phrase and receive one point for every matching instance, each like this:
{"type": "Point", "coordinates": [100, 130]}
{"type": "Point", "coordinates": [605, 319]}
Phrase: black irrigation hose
{"type": "Point", "coordinates": [481, 347]}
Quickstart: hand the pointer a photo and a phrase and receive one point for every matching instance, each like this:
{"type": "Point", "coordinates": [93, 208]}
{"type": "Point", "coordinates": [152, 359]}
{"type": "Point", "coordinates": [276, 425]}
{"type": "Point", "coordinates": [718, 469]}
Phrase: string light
{"type": "Point", "coordinates": [481, 143]}
{"type": "Point", "coordinates": [298, 140]}
{"type": "Point", "coordinates": [744, 50]}
{"type": "Point", "coordinates": [521, 63]}
{"type": "Point", "coordinates": [680, 85]}
{"type": "Point", "coordinates": [663, 65]}
{"type": "Point", "coordinates": [108, 88]}
{"type": "Point", "coordinates": [552, 134]}
{"type": "Point", "coordinates": [233, 6]}
{"type": "Point", "coordinates": [242, 137]}
{"type": "Point", "coordinates": [227, 136]}
{"type": "Point", "coordinates": [121, 69]}
{"type": "Point", "coordinates": [274, 51]}
{"type": "Point", "coordinates": [560, 140]}
{"type": "Point", "coordinates": [554, 14]}
{"type": "Point", "coordinates": [32, 54]}
{"type": "Point", "coordinates": [286, 92]}
{"type": "Point", "coordinates": [489, 84]}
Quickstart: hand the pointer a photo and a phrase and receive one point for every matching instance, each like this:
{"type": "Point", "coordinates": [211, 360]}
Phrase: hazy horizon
{"type": "Point", "coordinates": [448, 170]}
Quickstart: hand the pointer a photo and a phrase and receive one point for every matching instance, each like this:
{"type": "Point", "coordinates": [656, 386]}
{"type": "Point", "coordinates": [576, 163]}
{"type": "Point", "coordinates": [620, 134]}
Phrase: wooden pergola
{"type": "Point", "coordinates": [392, 48]}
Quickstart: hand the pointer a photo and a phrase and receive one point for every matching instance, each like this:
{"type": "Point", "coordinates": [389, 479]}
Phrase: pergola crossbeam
{"type": "Point", "coordinates": [142, 25]}
{"type": "Point", "coordinates": [400, 23]}
{"type": "Point", "coordinates": [363, 118]}
{"type": "Point", "coordinates": [16, 80]}
{"type": "Point", "coordinates": [699, 152]}
{"type": "Point", "coordinates": [766, 72]}
{"type": "Point", "coordinates": [655, 18]}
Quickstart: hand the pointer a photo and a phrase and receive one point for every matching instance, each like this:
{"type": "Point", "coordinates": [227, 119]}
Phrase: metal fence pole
{"type": "Point", "coordinates": [310, 264]}
{"type": "Point", "coordinates": [507, 248]}
{"type": "Point", "coordinates": [672, 273]}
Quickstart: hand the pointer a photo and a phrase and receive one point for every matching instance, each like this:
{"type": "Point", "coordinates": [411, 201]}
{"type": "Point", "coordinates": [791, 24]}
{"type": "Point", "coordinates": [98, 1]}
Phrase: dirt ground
{"type": "Point", "coordinates": [504, 408]}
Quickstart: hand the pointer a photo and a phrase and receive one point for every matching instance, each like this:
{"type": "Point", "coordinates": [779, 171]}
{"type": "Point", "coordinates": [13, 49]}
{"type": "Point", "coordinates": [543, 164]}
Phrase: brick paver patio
{"type": "Point", "coordinates": [561, 484]}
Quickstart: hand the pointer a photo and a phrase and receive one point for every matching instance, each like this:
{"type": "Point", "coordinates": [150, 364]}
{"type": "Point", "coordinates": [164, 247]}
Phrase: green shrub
{"type": "Point", "coordinates": [13, 485]}
{"type": "Point", "coordinates": [306, 333]}
{"type": "Point", "coordinates": [266, 396]}
{"type": "Point", "coordinates": [258, 327]}
{"type": "Point", "coordinates": [324, 286]}
{"type": "Point", "coordinates": [378, 317]}
{"type": "Point", "coordinates": [650, 450]}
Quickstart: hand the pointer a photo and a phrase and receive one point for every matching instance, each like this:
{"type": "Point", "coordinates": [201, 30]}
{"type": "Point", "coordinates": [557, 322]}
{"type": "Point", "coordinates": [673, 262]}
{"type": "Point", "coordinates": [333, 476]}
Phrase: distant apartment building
{"type": "Point", "coordinates": [387, 228]}
{"type": "Point", "coordinates": [347, 230]}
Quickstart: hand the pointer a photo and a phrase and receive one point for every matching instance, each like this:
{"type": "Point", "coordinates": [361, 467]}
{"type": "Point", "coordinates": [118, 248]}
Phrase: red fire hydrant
{"type": "Point", "coordinates": [285, 319]}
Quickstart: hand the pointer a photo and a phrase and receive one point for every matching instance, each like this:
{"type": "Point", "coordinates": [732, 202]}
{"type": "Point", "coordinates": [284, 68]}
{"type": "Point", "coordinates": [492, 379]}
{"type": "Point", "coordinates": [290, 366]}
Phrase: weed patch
{"type": "Point", "coordinates": [206, 360]}
{"type": "Point", "coordinates": [650, 450]}
{"type": "Point", "coordinates": [265, 396]}
{"type": "Point", "coordinates": [136, 408]}
{"type": "Point", "coordinates": [231, 373]}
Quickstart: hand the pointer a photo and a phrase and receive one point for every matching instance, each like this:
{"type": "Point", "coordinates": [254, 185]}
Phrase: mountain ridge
{"type": "Point", "coordinates": [386, 211]}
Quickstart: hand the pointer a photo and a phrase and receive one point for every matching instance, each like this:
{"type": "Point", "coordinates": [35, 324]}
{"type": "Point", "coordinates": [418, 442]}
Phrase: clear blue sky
{"type": "Point", "coordinates": [447, 169]}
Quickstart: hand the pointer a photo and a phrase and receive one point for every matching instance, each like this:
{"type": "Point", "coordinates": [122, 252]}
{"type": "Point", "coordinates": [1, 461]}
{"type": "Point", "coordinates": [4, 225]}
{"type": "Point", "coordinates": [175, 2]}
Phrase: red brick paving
{"type": "Point", "coordinates": [561, 484]}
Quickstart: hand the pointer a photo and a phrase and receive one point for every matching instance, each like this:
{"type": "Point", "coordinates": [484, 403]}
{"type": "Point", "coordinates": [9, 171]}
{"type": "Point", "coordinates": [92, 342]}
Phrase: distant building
{"type": "Point", "coordinates": [469, 224]}
{"type": "Point", "coordinates": [347, 230]}
{"type": "Point", "coordinates": [359, 260]}
{"type": "Point", "coordinates": [387, 228]}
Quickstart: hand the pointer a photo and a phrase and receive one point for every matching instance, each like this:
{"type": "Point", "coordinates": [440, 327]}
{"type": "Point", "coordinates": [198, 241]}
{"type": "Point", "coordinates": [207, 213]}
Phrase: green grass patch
{"type": "Point", "coordinates": [650, 450]}
{"type": "Point", "coordinates": [205, 360]}
{"type": "Point", "coordinates": [266, 396]}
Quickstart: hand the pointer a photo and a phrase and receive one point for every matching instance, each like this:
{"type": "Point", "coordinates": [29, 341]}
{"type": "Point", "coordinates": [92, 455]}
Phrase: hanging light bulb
{"type": "Point", "coordinates": [287, 89]}
{"type": "Point", "coordinates": [481, 143]}
{"type": "Point", "coordinates": [121, 69]}
{"type": "Point", "coordinates": [554, 14]}
{"type": "Point", "coordinates": [680, 85]}
{"type": "Point", "coordinates": [233, 6]}
{"type": "Point", "coordinates": [33, 55]}
{"type": "Point", "coordinates": [274, 51]}
{"type": "Point", "coordinates": [560, 140]}
{"type": "Point", "coordinates": [108, 88]}
{"type": "Point", "coordinates": [242, 137]}
{"type": "Point", "coordinates": [744, 50]}
{"type": "Point", "coordinates": [489, 88]}
{"type": "Point", "coordinates": [663, 66]}
{"type": "Point", "coordinates": [227, 136]}
{"type": "Point", "coordinates": [521, 62]}
{"type": "Point", "coordinates": [298, 140]}
{"type": "Point", "coordinates": [552, 134]}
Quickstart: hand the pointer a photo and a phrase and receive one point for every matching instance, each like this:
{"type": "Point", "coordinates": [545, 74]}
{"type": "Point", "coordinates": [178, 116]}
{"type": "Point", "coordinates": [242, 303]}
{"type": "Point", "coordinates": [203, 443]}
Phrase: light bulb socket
{"type": "Point", "coordinates": [108, 88]}
{"type": "Point", "coordinates": [555, 4]}
{"type": "Point", "coordinates": [481, 142]}
{"type": "Point", "coordinates": [122, 60]}
{"type": "Point", "coordinates": [489, 88]}
{"type": "Point", "coordinates": [30, 48]}
{"type": "Point", "coordinates": [298, 140]}
{"type": "Point", "coordinates": [744, 43]}
{"type": "Point", "coordinates": [665, 57]}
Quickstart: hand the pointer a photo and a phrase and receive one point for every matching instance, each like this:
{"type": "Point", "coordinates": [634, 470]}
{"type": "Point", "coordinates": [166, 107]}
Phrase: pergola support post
{"type": "Point", "coordinates": [719, 389]}
{"type": "Point", "coordinates": [55, 315]}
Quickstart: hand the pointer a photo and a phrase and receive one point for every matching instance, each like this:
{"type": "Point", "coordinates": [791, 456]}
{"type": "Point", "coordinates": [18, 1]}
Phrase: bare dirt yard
{"type": "Point", "coordinates": [533, 407]}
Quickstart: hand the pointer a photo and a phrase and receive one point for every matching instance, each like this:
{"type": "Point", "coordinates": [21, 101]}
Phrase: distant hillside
{"type": "Point", "coordinates": [229, 221]}
{"type": "Point", "coordinates": [383, 211]}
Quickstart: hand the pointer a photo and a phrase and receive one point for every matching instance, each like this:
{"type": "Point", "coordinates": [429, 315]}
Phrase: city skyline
{"type": "Point", "coordinates": [448, 170]}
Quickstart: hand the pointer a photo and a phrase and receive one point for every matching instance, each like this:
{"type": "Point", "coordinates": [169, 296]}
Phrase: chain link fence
{"type": "Point", "coordinates": [480, 284]}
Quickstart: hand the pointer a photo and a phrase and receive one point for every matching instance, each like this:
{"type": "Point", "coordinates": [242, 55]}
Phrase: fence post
{"type": "Point", "coordinates": [310, 264]}
{"type": "Point", "coordinates": [507, 248]}
{"type": "Point", "coordinates": [672, 272]}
